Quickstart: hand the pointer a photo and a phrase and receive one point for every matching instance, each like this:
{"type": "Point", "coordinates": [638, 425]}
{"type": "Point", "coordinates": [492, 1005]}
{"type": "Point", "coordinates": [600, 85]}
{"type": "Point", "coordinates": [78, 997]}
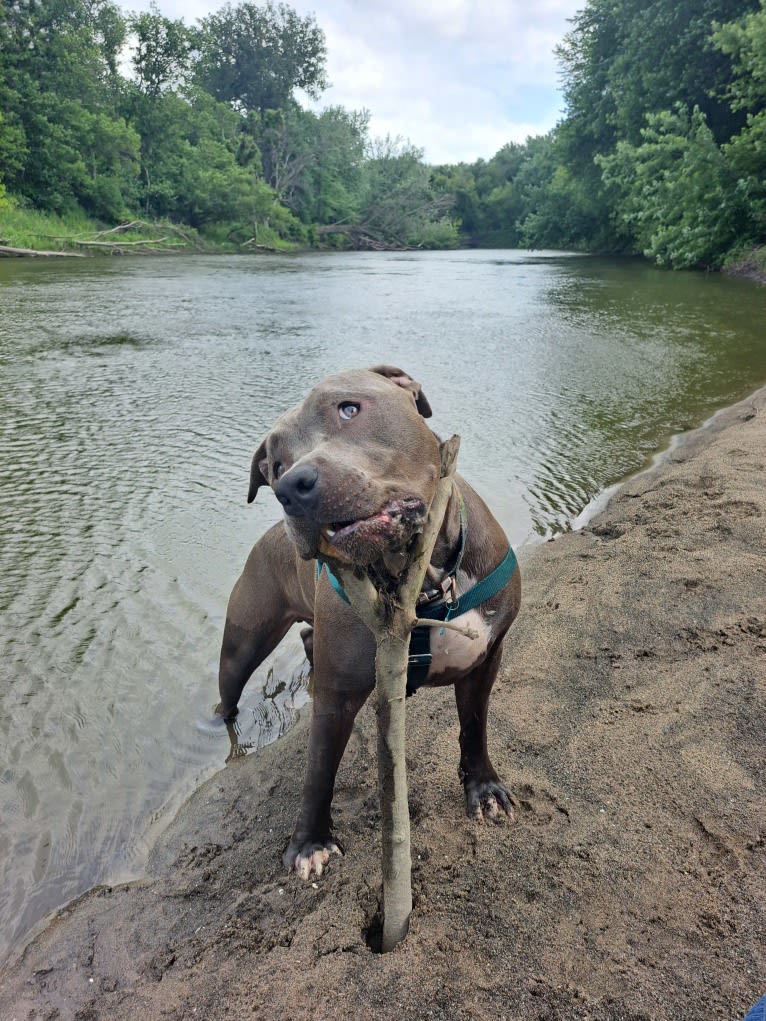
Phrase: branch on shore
{"type": "Point", "coordinates": [10, 252]}
{"type": "Point", "coordinates": [364, 237]}
{"type": "Point", "coordinates": [115, 245]}
{"type": "Point", "coordinates": [108, 240]}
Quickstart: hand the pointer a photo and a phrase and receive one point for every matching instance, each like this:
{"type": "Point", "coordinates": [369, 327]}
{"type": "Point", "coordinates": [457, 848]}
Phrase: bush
{"type": "Point", "coordinates": [677, 192]}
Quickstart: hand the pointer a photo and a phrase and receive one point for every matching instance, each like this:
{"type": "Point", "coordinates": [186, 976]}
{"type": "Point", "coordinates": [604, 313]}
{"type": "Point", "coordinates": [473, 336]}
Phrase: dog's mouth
{"type": "Point", "coordinates": [389, 528]}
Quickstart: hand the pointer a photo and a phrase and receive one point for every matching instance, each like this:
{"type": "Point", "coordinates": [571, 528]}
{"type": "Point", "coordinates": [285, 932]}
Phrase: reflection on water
{"type": "Point", "coordinates": [281, 694]}
{"type": "Point", "coordinates": [133, 395]}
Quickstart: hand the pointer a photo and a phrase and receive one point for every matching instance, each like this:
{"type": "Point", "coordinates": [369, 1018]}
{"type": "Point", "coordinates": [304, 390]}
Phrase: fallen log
{"type": "Point", "coordinates": [124, 244]}
{"type": "Point", "coordinates": [10, 252]}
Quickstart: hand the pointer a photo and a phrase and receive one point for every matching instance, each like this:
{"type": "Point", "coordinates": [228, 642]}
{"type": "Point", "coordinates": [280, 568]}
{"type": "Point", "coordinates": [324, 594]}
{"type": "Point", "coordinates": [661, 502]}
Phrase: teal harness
{"type": "Point", "coordinates": [443, 604]}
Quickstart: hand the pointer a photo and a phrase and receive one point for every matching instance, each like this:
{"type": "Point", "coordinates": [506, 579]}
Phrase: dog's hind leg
{"type": "Point", "coordinates": [485, 795]}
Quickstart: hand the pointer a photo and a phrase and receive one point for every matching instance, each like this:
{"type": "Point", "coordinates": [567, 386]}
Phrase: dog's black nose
{"type": "Point", "coordinates": [297, 491]}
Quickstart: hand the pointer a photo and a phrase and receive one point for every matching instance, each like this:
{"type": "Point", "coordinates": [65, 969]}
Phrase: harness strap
{"type": "Point", "coordinates": [442, 609]}
{"type": "Point", "coordinates": [420, 640]}
{"type": "Point", "coordinates": [479, 593]}
{"type": "Point", "coordinates": [483, 590]}
{"type": "Point", "coordinates": [333, 581]}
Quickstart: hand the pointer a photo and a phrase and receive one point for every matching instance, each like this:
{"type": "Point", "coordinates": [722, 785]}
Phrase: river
{"type": "Point", "coordinates": [133, 395]}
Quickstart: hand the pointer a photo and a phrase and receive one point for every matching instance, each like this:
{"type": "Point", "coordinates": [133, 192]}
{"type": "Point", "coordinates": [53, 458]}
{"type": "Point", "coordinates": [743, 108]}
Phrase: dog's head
{"type": "Point", "coordinates": [354, 466]}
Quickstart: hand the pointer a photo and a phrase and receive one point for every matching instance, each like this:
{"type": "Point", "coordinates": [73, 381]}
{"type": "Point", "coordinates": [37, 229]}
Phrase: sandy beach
{"type": "Point", "coordinates": [629, 722]}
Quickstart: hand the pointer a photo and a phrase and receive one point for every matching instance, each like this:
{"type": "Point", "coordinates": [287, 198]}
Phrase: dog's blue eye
{"type": "Point", "coordinates": [278, 469]}
{"type": "Point", "coordinates": [348, 410]}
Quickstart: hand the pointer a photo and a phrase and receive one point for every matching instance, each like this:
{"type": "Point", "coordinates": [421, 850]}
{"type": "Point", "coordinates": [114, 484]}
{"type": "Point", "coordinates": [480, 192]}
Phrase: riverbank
{"type": "Point", "coordinates": [26, 233]}
{"type": "Point", "coordinates": [629, 722]}
{"type": "Point", "coordinates": [31, 234]}
{"type": "Point", "coordinates": [750, 265]}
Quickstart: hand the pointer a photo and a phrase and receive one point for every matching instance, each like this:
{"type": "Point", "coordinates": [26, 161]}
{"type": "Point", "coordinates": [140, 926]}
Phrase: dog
{"type": "Point", "coordinates": [355, 468]}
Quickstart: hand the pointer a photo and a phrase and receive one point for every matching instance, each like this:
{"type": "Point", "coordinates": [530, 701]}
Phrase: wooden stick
{"type": "Point", "coordinates": [461, 629]}
{"type": "Point", "coordinates": [391, 620]}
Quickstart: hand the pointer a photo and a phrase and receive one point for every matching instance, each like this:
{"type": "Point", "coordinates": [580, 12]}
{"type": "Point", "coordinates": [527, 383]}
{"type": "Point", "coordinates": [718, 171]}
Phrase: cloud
{"type": "Point", "coordinates": [458, 78]}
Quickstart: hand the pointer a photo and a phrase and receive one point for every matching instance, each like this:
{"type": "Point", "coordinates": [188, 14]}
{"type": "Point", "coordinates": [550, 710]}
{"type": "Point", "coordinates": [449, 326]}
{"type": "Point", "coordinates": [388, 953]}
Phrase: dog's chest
{"type": "Point", "coordinates": [456, 653]}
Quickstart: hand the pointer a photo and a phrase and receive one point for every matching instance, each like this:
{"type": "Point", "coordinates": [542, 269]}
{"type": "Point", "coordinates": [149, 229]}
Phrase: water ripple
{"type": "Point", "coordinates": [133, 396]}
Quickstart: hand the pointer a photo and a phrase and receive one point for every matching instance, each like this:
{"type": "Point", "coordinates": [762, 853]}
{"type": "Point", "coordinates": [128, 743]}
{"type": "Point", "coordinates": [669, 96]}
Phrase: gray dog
{"type": "Point", "coordinates": [355, 468]}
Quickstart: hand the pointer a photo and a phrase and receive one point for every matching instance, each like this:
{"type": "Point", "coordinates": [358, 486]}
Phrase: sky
{"type": "Point", "coordinates": [457, 78]}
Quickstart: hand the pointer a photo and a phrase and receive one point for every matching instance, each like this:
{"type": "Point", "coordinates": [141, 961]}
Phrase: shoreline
{"type": "Point", "coordinates": [629, 719]}
{"type": "Point", "coordinates": [750, 267]}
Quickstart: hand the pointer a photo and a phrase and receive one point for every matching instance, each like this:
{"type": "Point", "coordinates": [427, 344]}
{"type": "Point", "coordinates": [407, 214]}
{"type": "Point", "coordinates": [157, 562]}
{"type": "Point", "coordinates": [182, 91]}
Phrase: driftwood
{"type": "Point", "coordinates": [9, 251]}
{"type": "Point", "coordinates": [125, 244]}
{"type": "Point", "coordinates": [388, 610]}
{"type": "Point", "coordinates": [106, 240]}
{"type": "Point", "coordinates": [364, 238]}
{"type": "Point", "coordinates": [253, 244]}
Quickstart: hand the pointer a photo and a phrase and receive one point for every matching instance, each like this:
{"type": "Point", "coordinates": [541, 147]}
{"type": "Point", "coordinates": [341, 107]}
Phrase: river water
{"type": "Point", "coordinates": [133, 395]}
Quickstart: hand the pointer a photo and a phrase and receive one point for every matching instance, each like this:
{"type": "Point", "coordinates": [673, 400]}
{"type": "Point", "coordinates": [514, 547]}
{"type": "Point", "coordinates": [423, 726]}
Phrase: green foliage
{"type": "Point", "coordinates": [626, 58]}
{"type": "Point", "coordinates": [435, 234]}
{"type": "Point", "coordinates": [663, 146]}
{"type": "Point", "coordinates": [314, 162]}
{"type": "Point", "coordinates": [662, 149]}
{"type": "Point", "coordinates": [30, 228]}
{"type": "Point", "coordinates": [256, 57]}
{"type": "Point", "coordinates": [205, 132]}
{"type": "Point", "coordinates": [161, 51]}
{"type": "Point", "coordinates": [399, 204]}
{"type": "Point", "coordinates": [744, 41]}
{"type": "Point", "coordinates": [13, 147]}
{"type": "Point", "coordinates": [63, 144]}
{"type": "Point", "coordinates": [676, 191]}
{"type": "Point", "coordinates": [333, 181]}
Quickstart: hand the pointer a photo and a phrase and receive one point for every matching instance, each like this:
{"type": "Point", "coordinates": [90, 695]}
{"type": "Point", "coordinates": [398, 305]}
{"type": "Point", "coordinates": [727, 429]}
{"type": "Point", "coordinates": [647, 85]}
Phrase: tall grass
{"type": "Point", "coordinates": [28, 228]}
{"type": "Point", "coordinates": [31, 229]}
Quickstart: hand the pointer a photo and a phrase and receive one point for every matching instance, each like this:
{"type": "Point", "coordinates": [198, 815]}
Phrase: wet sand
{"type": "Point", "coordinates": [629, 722]}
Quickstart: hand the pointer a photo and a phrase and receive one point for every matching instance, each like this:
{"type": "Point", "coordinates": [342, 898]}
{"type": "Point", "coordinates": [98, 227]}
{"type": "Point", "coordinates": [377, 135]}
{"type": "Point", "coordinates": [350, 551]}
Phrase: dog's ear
{"type": "Point", "coordinates": [401, 378]}
{"type": "Point", "coordinates": [258, 472]}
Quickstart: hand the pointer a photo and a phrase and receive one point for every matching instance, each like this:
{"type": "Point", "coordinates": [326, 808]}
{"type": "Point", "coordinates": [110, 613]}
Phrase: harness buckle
{"type": "Point", "coordinates": [448, 587]}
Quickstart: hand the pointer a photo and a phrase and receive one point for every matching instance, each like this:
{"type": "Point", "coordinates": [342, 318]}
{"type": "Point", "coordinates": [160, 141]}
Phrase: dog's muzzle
{"type": "Point", "coordinates": [298, 491]}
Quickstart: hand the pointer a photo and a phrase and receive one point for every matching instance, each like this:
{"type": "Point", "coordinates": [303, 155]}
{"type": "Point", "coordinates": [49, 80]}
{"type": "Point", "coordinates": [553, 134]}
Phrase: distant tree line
{"type": "Point", "coordinates": [142, 115]}
{"type": "Point", "coordinates": [661, 150]}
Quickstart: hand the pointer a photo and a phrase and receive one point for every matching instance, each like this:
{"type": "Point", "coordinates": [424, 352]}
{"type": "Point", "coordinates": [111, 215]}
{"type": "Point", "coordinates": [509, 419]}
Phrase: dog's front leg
{"type": "Point", "coordinates": [273, 592]}
{"type": "Point", "coordinates": [343, 677]}
{"type": "Point", "coordinates": [312, 841]}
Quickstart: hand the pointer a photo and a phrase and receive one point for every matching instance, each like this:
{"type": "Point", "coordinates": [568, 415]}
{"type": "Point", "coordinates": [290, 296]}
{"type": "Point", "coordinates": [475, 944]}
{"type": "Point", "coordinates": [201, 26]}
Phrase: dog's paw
{"type": "Point", "coordinates": [488, 800]}
{"type": "Point", "coordinates": [309, 858]}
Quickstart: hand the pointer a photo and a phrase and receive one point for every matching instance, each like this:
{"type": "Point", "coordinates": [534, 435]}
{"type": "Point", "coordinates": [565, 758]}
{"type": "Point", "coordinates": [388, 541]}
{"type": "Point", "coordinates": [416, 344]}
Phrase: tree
{"type": "Point", "coordinates": [63, 142]}
{"type": "Point", "coordinates": [460, 183]}
{"type": "Point", "coordinates": [160, 59]}
{"type": "Point", "coordinates": [314, 162]}
{"type": "Point", "coordinates": [744, 42]}
{"type": "Point", "coordinates": [626, 58]}
{"type": "Point", "coordinates": [256, 57]}
{"type": "Point", "coordinates": [161, 51]}
{"type": "Point", "coordinates": [335, 177]}
{"type": "Point", "coordinates": [676, 191]}
{"type": "Point", "coordinates": [399, 203]}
